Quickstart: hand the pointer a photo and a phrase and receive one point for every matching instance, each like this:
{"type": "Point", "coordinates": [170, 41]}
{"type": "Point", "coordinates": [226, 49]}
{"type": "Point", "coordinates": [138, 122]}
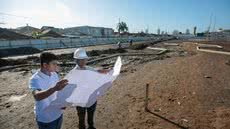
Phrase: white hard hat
{"type": "Point", "coordinates": [80, 53]}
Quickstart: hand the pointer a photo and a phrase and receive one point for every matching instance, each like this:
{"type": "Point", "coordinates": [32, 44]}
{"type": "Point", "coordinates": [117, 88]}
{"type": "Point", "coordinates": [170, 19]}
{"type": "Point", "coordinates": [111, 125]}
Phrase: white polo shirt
{"type": "Point", "coordinates": [41, 81]}
{"type": "Point", "coordinates": [85, 68]}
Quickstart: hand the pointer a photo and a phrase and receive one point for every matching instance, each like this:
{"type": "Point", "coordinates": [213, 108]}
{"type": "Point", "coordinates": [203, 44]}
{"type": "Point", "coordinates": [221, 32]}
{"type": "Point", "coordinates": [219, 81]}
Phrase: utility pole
{"type": "Point", "coordinates": [28, 29]}
{"type": "Point", "coordinates": [209, 27]}
{"type": "Point", "coordinates": [213, 29]}
{"type": "Point", "coordinates": [210, 23]}
{"type": "Point", "coordinates": [214, 25]}
{"type": "Point", "coordinates": [119, 27]}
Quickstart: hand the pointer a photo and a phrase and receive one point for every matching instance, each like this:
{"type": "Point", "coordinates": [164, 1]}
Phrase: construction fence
{"type": "Point", "coordinates": [43, 44]}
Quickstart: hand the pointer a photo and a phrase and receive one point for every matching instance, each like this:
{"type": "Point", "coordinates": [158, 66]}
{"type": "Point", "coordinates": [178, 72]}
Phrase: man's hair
{"type": "Point", "coordinates": [47, 57]}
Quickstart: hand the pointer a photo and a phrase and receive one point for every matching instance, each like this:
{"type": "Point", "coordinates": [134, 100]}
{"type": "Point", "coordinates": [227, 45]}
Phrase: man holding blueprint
{"type": "Point", "coordinates": [85, 85]}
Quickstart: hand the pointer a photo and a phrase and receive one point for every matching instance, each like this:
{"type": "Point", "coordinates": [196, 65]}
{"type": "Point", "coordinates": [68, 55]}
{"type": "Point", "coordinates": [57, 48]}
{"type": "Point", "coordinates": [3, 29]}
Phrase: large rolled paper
{"type": "Point", "coordinates": [85, 87]}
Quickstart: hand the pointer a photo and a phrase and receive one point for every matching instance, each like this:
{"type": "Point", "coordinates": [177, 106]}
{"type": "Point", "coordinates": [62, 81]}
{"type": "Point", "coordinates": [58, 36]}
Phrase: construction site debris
{"type": "Point", "coordinates": [213, 49]}
{"type": "Point", "coordinates": [18, 51]}
{"type": "Point", "coordinates": [207, 76]}
{"type": "Point", "coordinates": [4, 62]}
{"type": "Point", "coordinates": [123, 105]}
{"type": "Point", "coordinates": [171, 44]}
{"type": "Point", "coordinates": [227, 62]}
{"type": "Point", "coordinates": [138, 46]}
{"type": "Point", "coordinates": [185, 120]}
{"type": "Point", "coordinates": [107, 51]}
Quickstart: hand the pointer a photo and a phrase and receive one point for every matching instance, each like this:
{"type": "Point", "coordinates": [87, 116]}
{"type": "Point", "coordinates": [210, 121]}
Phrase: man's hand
{"type": "Point", "coordinates": [42, 94]}
{"type": "Point", "coordinates": [104, 71]}
{"type": "Point", "coordinates": [61, 84]}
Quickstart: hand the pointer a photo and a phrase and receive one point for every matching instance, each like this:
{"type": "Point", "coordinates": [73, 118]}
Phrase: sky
{"type": "Point", "coordinates": [168, 15]}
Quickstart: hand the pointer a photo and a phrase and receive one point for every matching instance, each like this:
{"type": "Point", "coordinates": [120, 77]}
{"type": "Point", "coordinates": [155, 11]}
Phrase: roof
{"type": "Point", "coordinates": [10, 35]}
{"type": "Point", "coordinates": [88, 27]}
{"type": "Point", "coordinates": [26, 30]}
{"type": "Point", "coordinates": [47, 27]}
{"type": "Point", "coordinates": [50, 33]}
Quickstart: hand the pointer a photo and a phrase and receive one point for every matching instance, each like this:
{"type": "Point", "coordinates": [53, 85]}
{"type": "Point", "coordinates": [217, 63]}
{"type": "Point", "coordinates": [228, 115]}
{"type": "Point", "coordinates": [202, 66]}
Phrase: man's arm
{"type": "Point", "coordinates": [103, 71]}
{"type": "Point", "coordinates": [42, 94]}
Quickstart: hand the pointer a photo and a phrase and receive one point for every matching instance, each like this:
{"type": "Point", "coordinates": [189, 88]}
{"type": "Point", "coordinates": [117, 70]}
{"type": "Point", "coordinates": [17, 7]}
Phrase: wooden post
{"type": "Point", "coordinates": [146, 96]}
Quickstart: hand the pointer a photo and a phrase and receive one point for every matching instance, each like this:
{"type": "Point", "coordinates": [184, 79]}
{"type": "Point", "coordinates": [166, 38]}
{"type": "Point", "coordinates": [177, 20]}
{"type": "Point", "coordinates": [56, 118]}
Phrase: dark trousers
{"type": "Point", "coordinates": [56, 124]}
{"type": "Point", "coordinates": [81, 111]}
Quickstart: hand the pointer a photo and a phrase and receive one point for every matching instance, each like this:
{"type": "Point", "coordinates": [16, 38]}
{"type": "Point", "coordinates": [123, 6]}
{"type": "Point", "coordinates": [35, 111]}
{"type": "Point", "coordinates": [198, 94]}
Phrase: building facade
{"type": "Point", "coordinates": [90, 31]}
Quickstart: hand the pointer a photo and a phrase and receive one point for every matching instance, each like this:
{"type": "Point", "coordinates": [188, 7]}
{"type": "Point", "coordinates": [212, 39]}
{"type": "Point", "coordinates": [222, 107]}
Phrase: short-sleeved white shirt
{"type": "Point", "coordinates": [41, 81]}
{"type": "Point", "coordinates": [85, 68]}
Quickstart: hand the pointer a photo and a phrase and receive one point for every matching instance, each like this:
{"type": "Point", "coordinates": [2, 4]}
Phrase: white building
{"type": "Point", "coordinates": [90, 31]}
{"type": "Point", "coordinates": [223, 35]}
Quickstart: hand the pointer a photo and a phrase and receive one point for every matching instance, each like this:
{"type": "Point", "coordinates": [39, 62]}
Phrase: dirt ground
{"type": "Point", "coordinates": [188, 89]}
{"type": "Point", "coordinates": [225, 45]}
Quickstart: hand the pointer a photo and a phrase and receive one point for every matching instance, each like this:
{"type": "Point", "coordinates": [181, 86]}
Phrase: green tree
{"type": "Point", "coordinates": [35, 34]}
{"type": "Point", "coordinates": [122, 27]}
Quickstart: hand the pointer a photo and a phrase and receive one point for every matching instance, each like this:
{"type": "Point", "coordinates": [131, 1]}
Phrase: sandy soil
{"type": "Point", "coordinates": [188, 89]}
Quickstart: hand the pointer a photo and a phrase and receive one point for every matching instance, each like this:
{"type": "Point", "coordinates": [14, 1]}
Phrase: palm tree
{"type": "Point", "coordinates": [122, 27]}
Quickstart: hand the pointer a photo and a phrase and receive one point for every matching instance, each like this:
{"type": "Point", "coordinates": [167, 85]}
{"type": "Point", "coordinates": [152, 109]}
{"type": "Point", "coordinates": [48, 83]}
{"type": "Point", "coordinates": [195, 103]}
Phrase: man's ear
{"type": "Point", "coordinates": [44, 65]}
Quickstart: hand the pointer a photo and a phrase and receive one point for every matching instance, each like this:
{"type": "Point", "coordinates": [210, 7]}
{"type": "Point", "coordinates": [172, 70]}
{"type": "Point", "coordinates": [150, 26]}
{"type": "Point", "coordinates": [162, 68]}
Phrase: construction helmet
{"type": "Point", "coordinates": [80, 53]}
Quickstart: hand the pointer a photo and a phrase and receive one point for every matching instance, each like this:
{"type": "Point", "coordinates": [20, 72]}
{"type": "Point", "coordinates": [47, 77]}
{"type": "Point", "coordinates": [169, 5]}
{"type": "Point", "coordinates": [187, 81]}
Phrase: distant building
{"type": "Point", "coordinates": [175, 32]}
{"type": "Point", "coordinates": [6, 34]}
{"type": "Point", "coordinates": [187, 31]}
{"type": "Point", "coordinates": [57, 30]}
{"type": "Point", "coordinates": [224, 30]}
{"type": "Point", "coordinates": [89, 30]}
{"type": "Point", "coordinates": [26, 30]}
{"type": "Point", "coordinates": [146, 31]}
{"type": "Point", "coordinates": [158, 31]}
{"type": "Point", "coordinates": [194, 30]}
{"type": "Point", "coordinates": [47, 28]}
{"type": "Point", "coordinates": [221, 34]}
{"type": "Point", "coordinates": [50, 34]}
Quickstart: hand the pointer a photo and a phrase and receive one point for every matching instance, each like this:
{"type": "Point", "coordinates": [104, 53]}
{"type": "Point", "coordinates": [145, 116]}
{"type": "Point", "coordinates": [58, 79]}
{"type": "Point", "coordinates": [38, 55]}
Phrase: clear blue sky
{"type": "Point", "coordinates": [138, 14]}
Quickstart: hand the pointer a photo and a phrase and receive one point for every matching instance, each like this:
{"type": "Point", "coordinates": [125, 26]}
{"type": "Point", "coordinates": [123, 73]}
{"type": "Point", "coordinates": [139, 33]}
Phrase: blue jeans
{"type": "Point", "coordinates": [56, 124]}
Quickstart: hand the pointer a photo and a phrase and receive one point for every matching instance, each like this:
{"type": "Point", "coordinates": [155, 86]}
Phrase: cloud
{"type": "Point", "coordinates": [53, 13]}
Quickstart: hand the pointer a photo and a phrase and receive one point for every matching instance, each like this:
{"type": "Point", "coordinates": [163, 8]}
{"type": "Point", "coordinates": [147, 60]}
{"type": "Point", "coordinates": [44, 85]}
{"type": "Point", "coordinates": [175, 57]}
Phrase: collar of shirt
{"type": "Point", "coordinates": [85, 68]}
{"type": "Point", "coordinates": [43, 75]}
{"type": "Point", "coordinates": [78, 67]}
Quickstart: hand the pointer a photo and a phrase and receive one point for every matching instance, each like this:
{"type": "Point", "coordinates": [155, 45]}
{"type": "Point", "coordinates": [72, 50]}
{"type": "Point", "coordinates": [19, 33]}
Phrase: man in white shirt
{"type": "Point", "coordinates": [44, 84]}
{"type": "Point", "coordinates": [81, 59]}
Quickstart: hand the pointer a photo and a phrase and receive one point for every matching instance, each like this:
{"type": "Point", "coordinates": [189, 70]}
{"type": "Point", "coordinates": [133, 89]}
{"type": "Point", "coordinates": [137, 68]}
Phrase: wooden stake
{"type": "Point", "coordinates": [146, 96]}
